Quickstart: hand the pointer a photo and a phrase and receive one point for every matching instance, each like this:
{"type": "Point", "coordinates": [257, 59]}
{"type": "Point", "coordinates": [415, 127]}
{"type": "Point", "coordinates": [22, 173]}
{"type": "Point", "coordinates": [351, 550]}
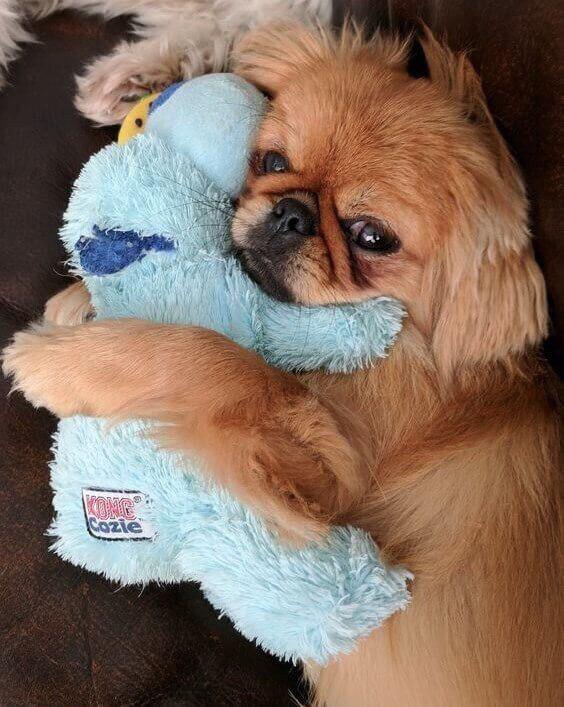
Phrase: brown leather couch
{"type": "Point", "coordinates": [67, 637]}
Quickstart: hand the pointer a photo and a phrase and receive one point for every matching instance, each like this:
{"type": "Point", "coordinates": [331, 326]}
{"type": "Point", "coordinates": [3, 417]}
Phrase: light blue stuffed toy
{"type": "Point", "coordinates": [147, 228]}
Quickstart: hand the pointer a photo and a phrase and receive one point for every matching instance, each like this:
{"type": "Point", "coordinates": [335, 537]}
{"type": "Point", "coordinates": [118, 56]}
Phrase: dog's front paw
{"type": "Point", "coordinates": [70, 307]}
{"type": "Point", "coordinates": [35, 361]}
{"type": "Point", "coordinates": [111, 84]}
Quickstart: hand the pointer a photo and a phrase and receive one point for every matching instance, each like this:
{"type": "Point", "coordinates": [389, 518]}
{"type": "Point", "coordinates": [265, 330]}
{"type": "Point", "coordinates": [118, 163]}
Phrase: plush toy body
{"type": "Point", "coordinates": [147, 228]}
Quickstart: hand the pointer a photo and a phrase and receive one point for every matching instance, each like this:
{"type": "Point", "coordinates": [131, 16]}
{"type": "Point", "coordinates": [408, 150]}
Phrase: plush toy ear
{"type": "Point", "coordinates": [268, 57]}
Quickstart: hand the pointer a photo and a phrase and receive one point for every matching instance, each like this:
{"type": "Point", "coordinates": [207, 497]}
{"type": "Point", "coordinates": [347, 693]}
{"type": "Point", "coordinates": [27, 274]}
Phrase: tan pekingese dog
{"type": "Point", "coordinates": [366, 181]}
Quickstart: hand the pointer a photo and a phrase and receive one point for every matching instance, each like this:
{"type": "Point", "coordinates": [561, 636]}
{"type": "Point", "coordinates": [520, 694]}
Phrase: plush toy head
{"type": "Point", "coordinates": [212, 119]}
{"type": "Point", "coordinates": [148, 229]}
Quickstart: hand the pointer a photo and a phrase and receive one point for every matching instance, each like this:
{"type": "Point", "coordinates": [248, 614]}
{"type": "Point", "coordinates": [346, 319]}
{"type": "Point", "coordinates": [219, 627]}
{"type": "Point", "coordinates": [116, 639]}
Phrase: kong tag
{"type": "Point", "coordinates": [117, 515]}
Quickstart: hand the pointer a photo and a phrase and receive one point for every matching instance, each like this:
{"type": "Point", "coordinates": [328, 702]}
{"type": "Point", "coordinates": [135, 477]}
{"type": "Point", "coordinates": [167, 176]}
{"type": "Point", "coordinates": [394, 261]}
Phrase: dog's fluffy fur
{"type": "Point", "coordinates": [447, 451]}
{"type": "Point", "coordinates": [176, 39]}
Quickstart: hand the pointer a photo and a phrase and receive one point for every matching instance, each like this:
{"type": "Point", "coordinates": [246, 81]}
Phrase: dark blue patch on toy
{"type": "Point", "coordinates": [164, 96]}
{"type": "Point", "coordinates": [110, 251]}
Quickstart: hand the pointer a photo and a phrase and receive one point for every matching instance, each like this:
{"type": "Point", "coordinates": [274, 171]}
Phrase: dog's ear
{"type": "Point", "coordinates": [416, 63]}
{"type": "Point", "coordinates": [268, 57]}
{"type": "Point", "coordinates": [488, 306]}
{"type": "Point", "coordinates": [453, 74]}
{"type": "Point", "coordinates": [489, 293]}
{"type": "Point", "coordinates": [451, 71]}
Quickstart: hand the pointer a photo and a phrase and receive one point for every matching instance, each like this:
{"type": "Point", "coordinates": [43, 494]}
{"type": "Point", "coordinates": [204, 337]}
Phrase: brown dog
{"type": "Point", "coordinates": [367, 181]}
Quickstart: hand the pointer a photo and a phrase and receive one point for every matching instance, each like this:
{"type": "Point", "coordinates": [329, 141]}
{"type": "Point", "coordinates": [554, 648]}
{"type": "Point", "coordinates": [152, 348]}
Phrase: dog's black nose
{"type": "Point", "coordinates": [291, 216]}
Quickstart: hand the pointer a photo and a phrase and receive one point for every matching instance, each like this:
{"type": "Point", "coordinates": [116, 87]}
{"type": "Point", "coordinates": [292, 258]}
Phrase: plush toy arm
{"type": "Point", "coordinates": [265, 437]}
{"type": "Point", "coordinates": [339, 339]}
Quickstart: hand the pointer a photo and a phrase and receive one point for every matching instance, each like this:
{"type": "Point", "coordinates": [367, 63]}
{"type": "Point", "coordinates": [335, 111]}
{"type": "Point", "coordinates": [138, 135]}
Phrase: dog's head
{"type": "Point", "coordinates": [366, 180]}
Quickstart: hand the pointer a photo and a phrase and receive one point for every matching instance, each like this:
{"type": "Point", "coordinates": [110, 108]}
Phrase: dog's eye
{"type": "Point", "coordinates": [373, 235]}
{"type": "Point", "coordinates": [274, 162]}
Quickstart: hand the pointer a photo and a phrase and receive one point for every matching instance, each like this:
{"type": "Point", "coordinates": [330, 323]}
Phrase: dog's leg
{"type": "Point", "coordinates": [262, 433]}
{"type": "Point", "coordinates": [179, 40]}
{"type": "Point", "coordinates": [14, 13]}
{"type": "Point", "coordinates": [110, 84]}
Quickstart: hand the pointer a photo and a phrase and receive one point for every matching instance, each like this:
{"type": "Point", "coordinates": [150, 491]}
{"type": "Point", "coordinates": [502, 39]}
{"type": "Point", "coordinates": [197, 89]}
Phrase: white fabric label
{"type": "Point", "coordinates": [117, 515]}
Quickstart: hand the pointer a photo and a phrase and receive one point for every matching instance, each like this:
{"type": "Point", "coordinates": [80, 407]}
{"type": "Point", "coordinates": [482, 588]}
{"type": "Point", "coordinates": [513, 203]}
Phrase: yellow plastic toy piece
{"type": "Point", "coordinates": [134, 121]}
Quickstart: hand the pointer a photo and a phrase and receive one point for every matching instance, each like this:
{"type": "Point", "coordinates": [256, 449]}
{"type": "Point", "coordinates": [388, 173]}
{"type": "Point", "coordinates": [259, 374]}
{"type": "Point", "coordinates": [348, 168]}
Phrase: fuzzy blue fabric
{"type": "Point", "coordinates": [147, 228]}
